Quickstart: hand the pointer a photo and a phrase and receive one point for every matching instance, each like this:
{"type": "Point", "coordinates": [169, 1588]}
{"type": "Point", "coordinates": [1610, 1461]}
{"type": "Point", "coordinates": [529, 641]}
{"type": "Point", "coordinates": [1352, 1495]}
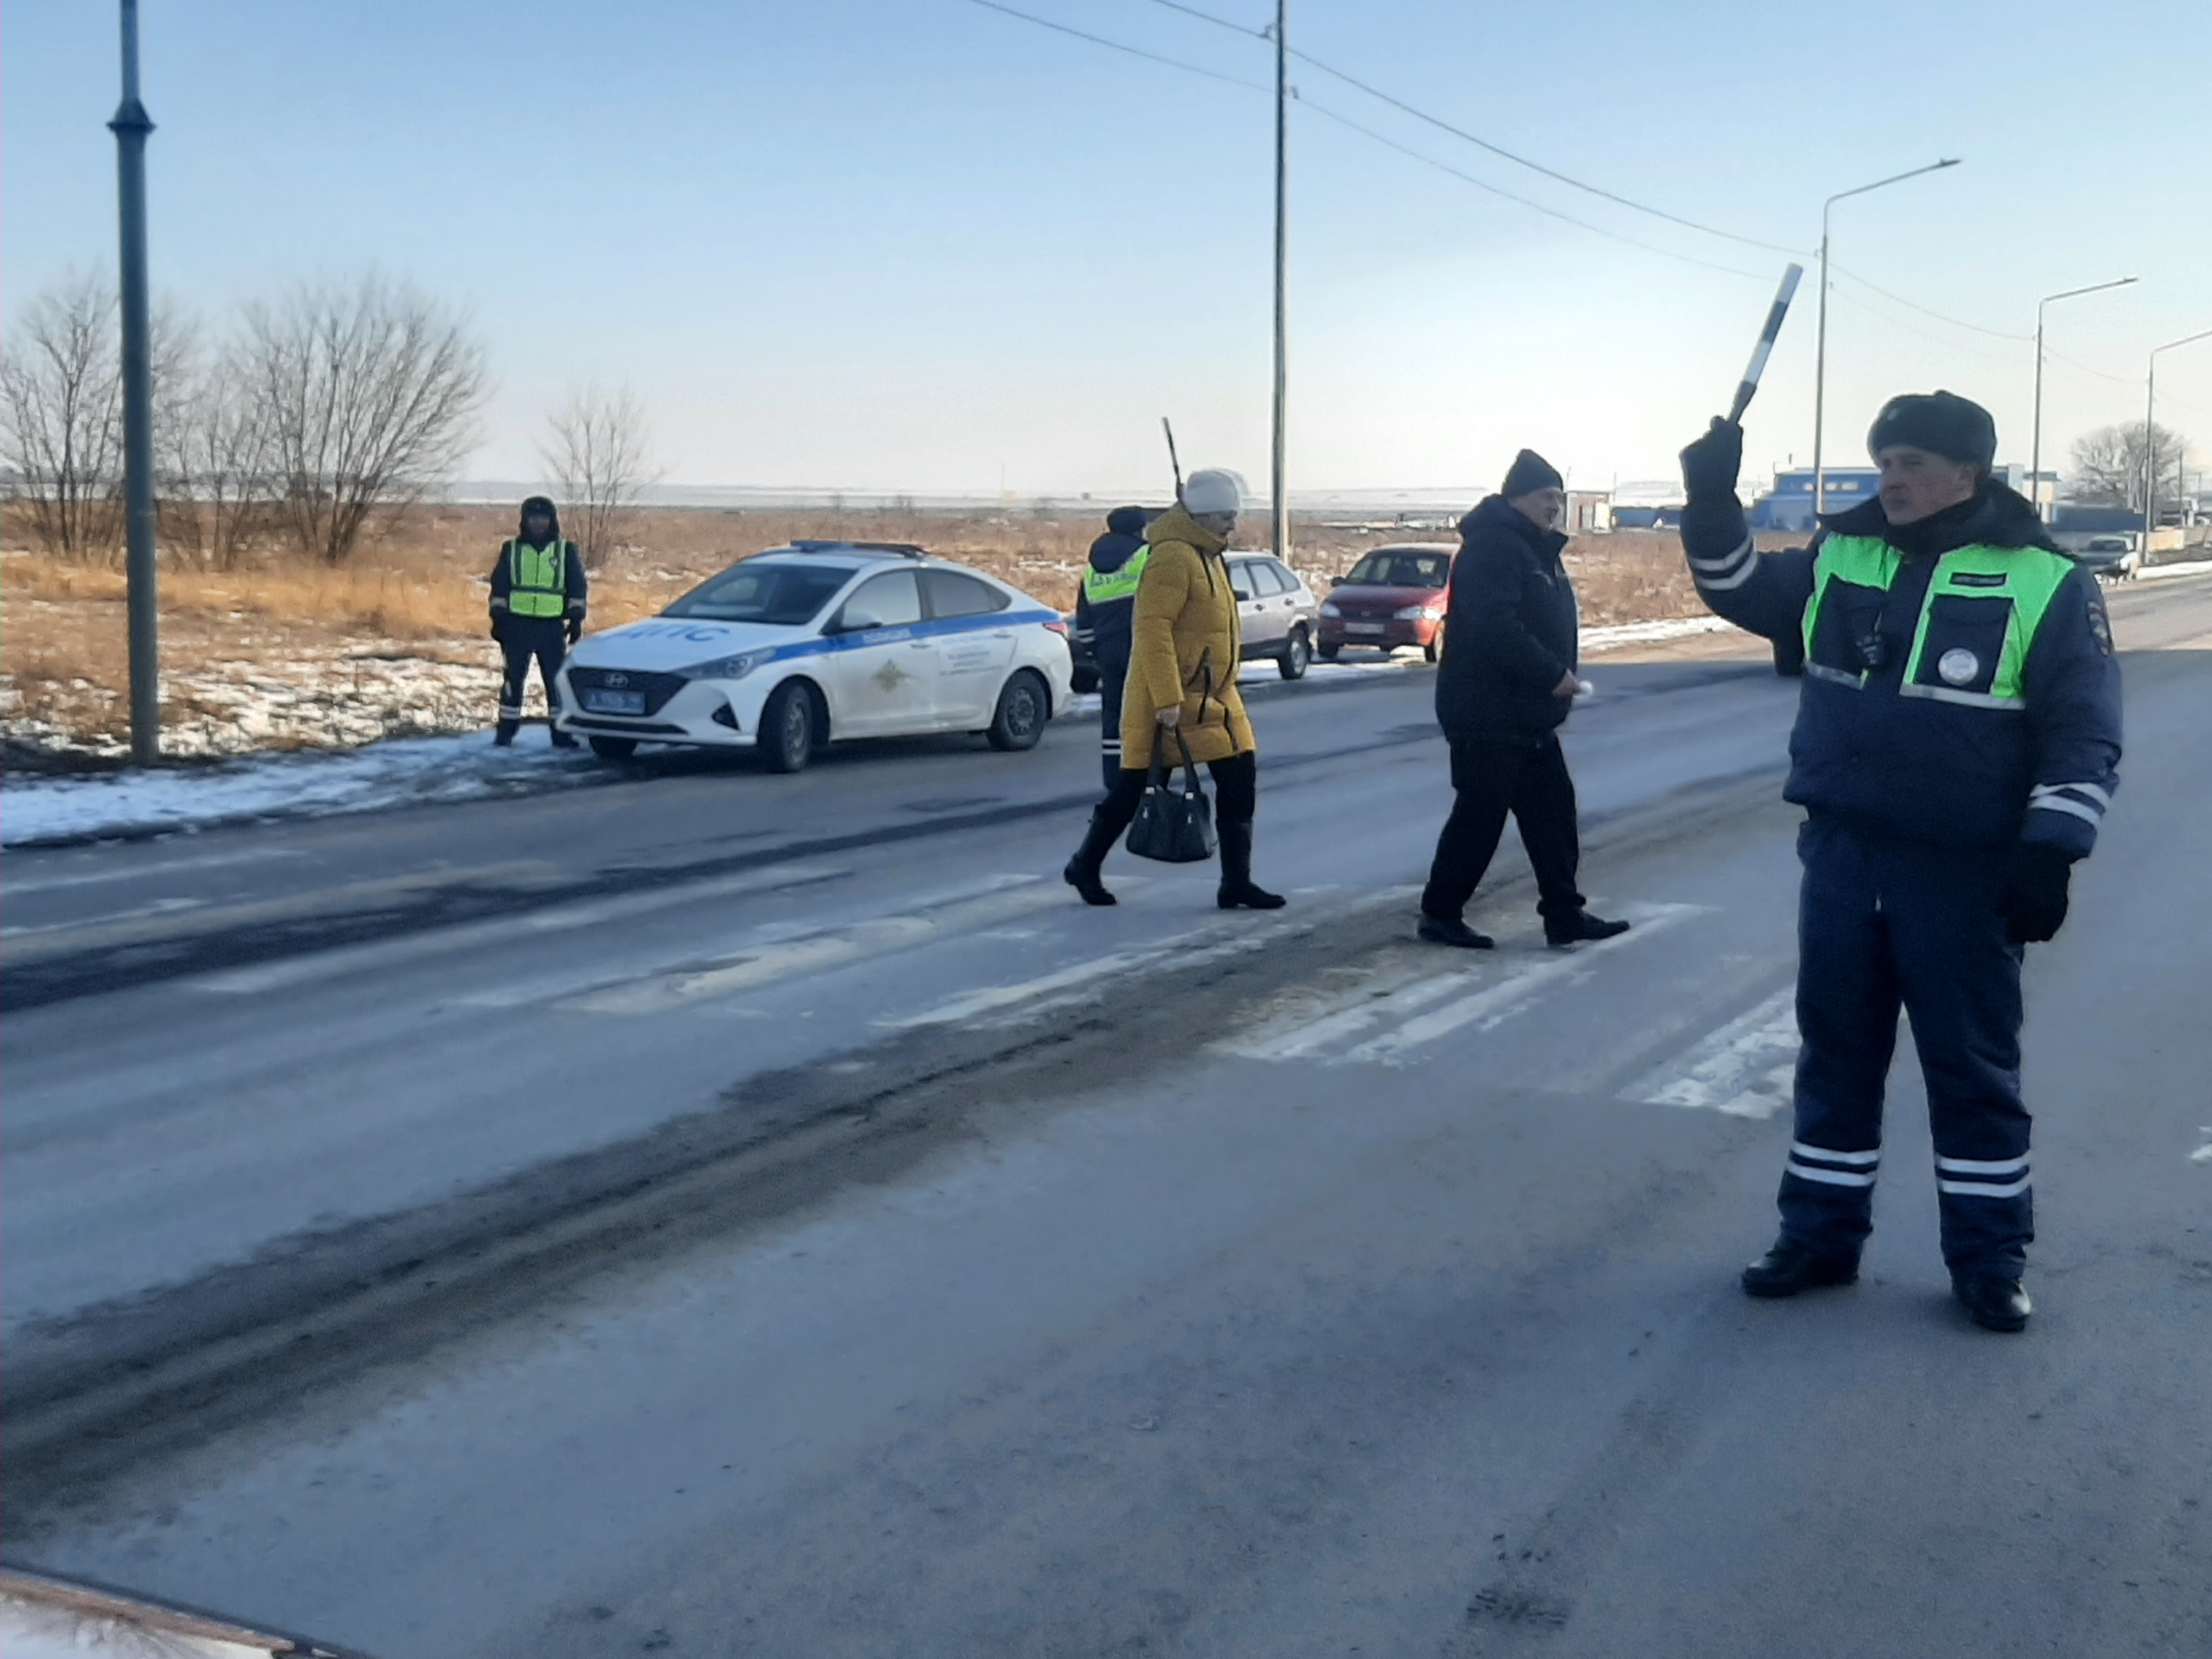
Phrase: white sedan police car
{"type": "Point", "coordinates": [799, 645]}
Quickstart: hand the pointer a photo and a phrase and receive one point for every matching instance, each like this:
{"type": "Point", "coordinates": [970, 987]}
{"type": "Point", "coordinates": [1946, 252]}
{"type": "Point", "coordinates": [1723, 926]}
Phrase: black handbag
{"type": "Point", "coordinates": [1173, 826]}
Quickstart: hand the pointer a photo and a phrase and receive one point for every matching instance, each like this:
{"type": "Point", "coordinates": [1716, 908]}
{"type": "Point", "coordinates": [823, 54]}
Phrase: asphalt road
{"type": "Point", "coordinates": [725, 1214]}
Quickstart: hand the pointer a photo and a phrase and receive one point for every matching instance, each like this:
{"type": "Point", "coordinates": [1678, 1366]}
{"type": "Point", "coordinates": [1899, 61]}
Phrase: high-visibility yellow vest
{"type": "Point", "coordinates": [1101, 587]}
{"type": "Point", "coordinates": [537, 578]}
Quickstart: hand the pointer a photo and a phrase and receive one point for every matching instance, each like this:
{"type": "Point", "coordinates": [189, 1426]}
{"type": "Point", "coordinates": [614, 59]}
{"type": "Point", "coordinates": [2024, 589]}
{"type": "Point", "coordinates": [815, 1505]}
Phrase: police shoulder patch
{"type": "Point", "coordinates": [2101, 624]}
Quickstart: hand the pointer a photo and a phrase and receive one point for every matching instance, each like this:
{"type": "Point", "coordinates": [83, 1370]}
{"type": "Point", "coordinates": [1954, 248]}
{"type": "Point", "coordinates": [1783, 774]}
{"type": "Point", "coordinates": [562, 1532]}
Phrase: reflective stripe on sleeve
{"type": "Point", "coordinates": [2063, 804]}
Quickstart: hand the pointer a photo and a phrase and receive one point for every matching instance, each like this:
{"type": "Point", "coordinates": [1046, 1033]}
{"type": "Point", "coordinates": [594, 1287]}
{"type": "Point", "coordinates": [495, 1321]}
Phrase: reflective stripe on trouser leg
{"type": "Point", "coordinates": [1960, 978]}
{"type": "Point", "coordinates": [1847, 1008]}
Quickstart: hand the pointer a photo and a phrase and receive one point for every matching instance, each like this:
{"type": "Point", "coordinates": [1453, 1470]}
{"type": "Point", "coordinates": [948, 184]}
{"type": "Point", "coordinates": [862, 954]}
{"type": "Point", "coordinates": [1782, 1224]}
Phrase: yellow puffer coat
{"type": "Point", "coordinates": [1185, 648]}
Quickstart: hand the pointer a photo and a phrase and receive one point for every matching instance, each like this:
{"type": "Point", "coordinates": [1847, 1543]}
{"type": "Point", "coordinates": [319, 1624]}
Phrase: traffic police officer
{"type": "Point", "coordinates": [1957, 736]}
{"type": "Point", "coordinates": [1103, 607]}
{"type": "Point", "coordinates": [538, 603]}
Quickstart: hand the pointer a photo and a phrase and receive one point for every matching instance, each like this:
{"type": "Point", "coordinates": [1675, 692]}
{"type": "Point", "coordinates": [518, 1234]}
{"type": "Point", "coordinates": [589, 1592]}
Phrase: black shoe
{"type": "Point", "coordinates": [503, 736]}
{"type": "Point", "coordinates": [563, 740]}
{"type": "Point", "coordinates": [1993, 1302]}
{"type": "Point", "coordinates": [1451, 930]}
{"type": "Point", "coordinates": [1580, 928]}
{"type": "Point", "coordinates": [1789, 1268]}
{"type": "Point", "coordinates": [1237, 889]}
{"type": "Point", "coordinates": [1082, 870]}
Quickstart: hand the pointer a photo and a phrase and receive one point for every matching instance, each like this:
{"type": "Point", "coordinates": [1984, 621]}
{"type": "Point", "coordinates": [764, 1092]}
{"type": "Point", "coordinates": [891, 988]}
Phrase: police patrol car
{"type": "Point", "coordinates": [802, 645]}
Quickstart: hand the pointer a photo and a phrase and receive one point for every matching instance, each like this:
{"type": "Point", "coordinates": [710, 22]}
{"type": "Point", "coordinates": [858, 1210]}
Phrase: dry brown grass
{"type": "Point", "coordinates": [415, 591]}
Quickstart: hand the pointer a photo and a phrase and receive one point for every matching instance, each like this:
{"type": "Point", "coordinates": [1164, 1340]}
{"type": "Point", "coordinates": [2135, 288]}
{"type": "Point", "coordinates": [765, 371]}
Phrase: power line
{"type": "Point", "coordinates": [1865, 309]}
{"type": "Point", "coordinates": [1517, 159]}
{"type": "Point", "coordinates": [1994, 333]}
{"type": "Point", "coordinates": [1368, 132]}
{"type": "Point", "coordinates": [1116, 45]}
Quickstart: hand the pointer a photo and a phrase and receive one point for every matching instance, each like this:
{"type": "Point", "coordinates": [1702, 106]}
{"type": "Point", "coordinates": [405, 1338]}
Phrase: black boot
{"type": "Point", "coordinates": [1082, 870]}
{"type": "Point", "coordinates": [503, 735]}
{"type": "Point", "coordinates": [561, 739]}
{"type": "Point", "coordinates": [1236, 890]}
{"type": "Point", "coordinates": [1580, 927]}
{"type": "Point", "coordinates": [1451, 930]}
{"type": "Point", "coordinates": [1992, 1301]}
{"type": "Point", "coordinates": [1789, 1268]}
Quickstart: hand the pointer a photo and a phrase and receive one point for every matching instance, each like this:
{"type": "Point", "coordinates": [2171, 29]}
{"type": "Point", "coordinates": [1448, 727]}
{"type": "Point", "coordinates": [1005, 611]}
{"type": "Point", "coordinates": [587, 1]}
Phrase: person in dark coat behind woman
{"type": "Point", "coordinates": [1503, 688]}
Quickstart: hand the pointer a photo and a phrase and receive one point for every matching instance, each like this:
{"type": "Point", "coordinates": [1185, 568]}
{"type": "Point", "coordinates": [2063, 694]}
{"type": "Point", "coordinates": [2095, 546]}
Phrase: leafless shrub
{"type": "Point", "coordinates": [215, 444]}
{"type": "Point", "coordinates": [371, 393]}
{"type": "Point", "coordinates": [2110, 464]}
{"type": "Point", "coordinates": [61, 418]}
{"type": "Point", "coordinates": [599, 450]}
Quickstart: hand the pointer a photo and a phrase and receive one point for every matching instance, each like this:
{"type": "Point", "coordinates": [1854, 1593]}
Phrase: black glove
{"type": "Point", "coordinates": [1710, 465]}
{"type": "Point", "coordinates": [575, 630]}
{"type": "Point", "coordinates": [2033, 903]}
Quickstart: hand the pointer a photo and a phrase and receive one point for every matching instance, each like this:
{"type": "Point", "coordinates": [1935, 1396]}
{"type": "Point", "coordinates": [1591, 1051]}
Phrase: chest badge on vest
{"type": "Point", "coordinates": [1957, 666]}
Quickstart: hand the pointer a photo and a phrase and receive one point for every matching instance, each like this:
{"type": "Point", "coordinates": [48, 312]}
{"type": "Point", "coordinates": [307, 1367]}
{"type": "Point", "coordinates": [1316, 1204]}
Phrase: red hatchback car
{"type": "Point", "coordinates": [1394, 596]}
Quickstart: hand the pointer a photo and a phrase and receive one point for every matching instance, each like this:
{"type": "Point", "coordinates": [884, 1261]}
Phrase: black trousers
{"type": "Point", "coordinates": [545, 640]}
{"type": "Point", "coordinates": [1491, 779]}
{"type": "Point", "coordinates": [1112, 676]}
{"type": "Point", "coordinates": [1236, 792]}
{"type": "Point", "coordinates": [1882, 924]}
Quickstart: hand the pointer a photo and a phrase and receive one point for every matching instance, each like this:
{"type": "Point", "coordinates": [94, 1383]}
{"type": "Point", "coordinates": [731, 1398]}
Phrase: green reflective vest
{"type": "Point", "coordinates": [1981, 613]}
{"type": "Point", "coordinates": [537, 578]}
{"type": "Point", "coordinates": [1102, 586]}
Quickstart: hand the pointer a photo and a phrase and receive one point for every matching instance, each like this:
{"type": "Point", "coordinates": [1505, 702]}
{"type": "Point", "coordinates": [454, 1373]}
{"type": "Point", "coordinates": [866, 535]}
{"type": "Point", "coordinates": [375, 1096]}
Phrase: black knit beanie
{"type": "Point", "coordinates": [1942, 422]}
{"type": "Point", "coordinates": [1530, 471]}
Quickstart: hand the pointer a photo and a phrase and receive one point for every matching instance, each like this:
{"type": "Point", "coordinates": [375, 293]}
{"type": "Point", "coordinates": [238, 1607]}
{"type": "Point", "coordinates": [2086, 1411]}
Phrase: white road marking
{"type": "Point", "coordinates": [1086, 981]}
{"type": "Point", "coordinates": [821, 948]}
{"type": "Point", "coordinates": [1744, 1069]}
{"type": "Point", "coordinates": [137, 871]}
{"type": "Point", "coordinates": [504, 930]}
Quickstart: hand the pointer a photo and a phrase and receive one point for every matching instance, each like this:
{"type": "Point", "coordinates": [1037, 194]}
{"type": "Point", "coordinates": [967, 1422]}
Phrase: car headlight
{"type": "Point", "coordinates": [728, 668]}
{"type": "Point", "coordinates": [1418, 613]}
{"type": "Point", "coordinates": [1328, 608]}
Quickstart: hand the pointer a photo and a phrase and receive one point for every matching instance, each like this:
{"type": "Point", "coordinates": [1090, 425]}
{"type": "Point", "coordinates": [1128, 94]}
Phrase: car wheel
{"type": "Point", "coordinates": [1328, 652]}
{"type": "Point", "coordinates": [615, 748]}
{"type": "Point", "coordinates": [1024, 705]}
{"type": "Point", "coordinates": [1296, 653]}
{"type": "Point", "coordinates": [787, 734]}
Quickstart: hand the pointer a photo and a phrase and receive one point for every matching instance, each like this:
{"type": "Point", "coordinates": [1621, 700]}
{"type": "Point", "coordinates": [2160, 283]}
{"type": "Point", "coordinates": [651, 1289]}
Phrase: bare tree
{"type": "Point", "coordinates": [61, 417]}
{"type": "Point", "coordinates": [598, 449]}
{"type": "Point", "coordinates": [220, 490]}
{"type": "Point", "coordinates": [2110, 466]}
{"type": "Point", "coordinates": [371, 393]}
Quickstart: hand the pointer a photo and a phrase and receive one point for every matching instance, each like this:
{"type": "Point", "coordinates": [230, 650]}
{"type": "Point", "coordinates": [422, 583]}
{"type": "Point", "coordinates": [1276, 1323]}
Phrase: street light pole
{"type": "Point", "coordinates": [130, 126]}
{"type": "Point", "coordinates": [2150, 435]}
{"type": "Point", "coordinates": [2035, 451]}
{"type": "Point", "coordinates": [1281, 503]}
{"type": "Point", "coordinates": [1821, 349]}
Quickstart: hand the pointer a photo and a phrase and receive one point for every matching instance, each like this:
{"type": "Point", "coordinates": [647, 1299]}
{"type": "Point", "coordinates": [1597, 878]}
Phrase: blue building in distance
{"type": "Point", "coordinates": [1788, 505]}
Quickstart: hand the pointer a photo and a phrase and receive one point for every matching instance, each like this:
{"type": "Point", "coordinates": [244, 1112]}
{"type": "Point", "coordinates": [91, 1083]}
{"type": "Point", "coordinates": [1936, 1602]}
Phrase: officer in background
{"type": "Point", "coordinates": [1957, 733]}
{"type": "Point", "coordinates": [1103, 607]}
{"type": "Point", "coordinates": [538, 603]}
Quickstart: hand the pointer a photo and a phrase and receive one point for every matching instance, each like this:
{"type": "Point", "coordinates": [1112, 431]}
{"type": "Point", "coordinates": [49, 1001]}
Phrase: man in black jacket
{"type": "Point", "coordinates": [1502, 691]}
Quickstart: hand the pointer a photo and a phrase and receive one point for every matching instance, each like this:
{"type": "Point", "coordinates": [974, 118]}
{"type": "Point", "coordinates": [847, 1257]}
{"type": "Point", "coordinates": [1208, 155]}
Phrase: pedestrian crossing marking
{"type": "Point", "coordinates": [1745, 1069]}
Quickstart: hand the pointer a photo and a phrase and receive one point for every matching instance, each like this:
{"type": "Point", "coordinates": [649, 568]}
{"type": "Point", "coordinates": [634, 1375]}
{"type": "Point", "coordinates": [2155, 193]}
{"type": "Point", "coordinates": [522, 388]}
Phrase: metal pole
{"type": "Point", "coordinates": [2035, 462]}
{"type": "Point", "coordinates": [130, 126]}
{"type": "Point", "coordinates": [1820, 351]}
{"type": "Point", "coordinates": [1282, 505]}
{"type": "Point", "coordinates": [1820, 374]}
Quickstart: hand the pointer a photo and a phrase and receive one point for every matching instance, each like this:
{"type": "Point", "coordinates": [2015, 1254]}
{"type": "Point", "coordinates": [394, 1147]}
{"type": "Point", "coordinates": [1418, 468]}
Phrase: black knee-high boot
{"type": "Point", "coordinates": [1082, 870]}
{"type": "Point", "coordinates": [1236, 888]}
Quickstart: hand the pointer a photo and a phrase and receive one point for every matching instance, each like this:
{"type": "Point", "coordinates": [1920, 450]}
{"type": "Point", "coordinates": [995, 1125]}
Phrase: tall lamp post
{"type": "Point", "coordinates": [2035, 453]}
{"type": "Point", "coordinates": [2150, 435]}
{"type": "Point", "coordinates": [1820, 351]}
{"type": "Point", "coordinates": [130, 126]}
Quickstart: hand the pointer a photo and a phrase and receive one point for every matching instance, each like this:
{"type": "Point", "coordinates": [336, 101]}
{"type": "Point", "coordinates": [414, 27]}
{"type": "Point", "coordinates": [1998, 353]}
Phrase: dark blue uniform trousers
{"type": "Point", "coordinates": [1113, 675]}
{"type": "Point", "coordinates": [1884, 924]}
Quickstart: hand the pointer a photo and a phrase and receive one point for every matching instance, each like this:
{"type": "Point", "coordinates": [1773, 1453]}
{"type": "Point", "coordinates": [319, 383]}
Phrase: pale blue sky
{"type": "Point", "coordinates": [925, 246]}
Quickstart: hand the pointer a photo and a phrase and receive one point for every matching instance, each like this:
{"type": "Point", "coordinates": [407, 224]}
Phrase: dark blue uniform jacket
{"type": "Point", "coordinates": [1912, 769]}
{"type": "Point", "coordinates": [1108, 625]}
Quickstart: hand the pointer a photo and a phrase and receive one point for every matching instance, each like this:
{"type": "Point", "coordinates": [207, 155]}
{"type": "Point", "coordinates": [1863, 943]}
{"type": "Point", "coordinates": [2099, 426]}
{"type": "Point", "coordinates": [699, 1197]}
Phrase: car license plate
{"type": "Point", "coordinates": [614, 703]}
{"type": "Point", "coordinates": [1364, 627]}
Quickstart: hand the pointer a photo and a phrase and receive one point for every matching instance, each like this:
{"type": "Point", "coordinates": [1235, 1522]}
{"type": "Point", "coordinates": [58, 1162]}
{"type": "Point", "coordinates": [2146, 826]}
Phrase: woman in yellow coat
{"type": "Point", "coordinates": [1182, 679]}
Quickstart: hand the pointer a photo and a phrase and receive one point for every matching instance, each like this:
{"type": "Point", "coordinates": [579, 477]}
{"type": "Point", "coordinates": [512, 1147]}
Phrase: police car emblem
{"type": "Point", "coordinates": [1958, 667]}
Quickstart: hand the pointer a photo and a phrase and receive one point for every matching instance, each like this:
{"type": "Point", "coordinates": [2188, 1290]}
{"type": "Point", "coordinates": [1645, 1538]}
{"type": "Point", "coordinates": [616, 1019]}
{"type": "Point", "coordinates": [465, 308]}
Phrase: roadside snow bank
{"type": "Point", "coordinates": [402, 772]}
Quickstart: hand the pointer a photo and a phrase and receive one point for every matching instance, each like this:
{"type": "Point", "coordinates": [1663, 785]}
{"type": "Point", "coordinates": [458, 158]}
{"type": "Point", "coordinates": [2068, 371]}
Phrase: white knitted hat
{"type": "Point", "coordinates": [1214, 490]}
